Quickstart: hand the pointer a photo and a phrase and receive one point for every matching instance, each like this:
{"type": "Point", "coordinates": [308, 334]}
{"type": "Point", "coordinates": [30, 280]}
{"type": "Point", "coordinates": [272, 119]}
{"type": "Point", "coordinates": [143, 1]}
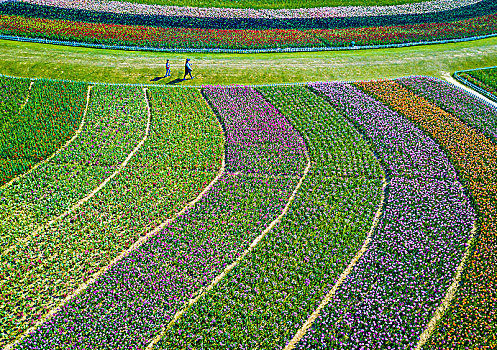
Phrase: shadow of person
{"type": "Point", "coordinates": [175, 81]}
{"type": "Point", "coordinates": [157, 78]}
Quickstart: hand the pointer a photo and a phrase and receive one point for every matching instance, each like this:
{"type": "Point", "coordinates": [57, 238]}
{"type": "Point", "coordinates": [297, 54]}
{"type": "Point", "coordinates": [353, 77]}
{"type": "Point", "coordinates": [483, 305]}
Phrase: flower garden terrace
{"type": "Point", "coordinates": [277, 217]}
{"type": "Point", "coordinates": [121, 24]}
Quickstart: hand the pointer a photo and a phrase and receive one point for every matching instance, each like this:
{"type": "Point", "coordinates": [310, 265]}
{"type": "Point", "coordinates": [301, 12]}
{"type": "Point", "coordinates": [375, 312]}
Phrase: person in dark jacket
{"type": "Point", "coordinates": [188, 69]}
{"type": "Point", "coordinates": [168, 69]}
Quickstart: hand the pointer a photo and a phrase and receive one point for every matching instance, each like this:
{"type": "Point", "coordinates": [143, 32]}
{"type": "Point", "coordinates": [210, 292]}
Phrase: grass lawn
{"type": "Point", "coordinates": [274, 4]}
{"type": "Point", "coordinates": [114, 66]}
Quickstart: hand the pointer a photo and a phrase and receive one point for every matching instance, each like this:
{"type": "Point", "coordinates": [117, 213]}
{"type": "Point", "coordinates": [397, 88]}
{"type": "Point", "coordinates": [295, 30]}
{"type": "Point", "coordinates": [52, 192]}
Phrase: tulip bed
{"type": "Point", "coordinates": [156, 37]}
{"type": "Point", "coordinates": [390, 295]}
{"type": "Point", "coordinates": [190, 17]}
{"type": "Point", "coordinates": [250, 29]}
{"type": "Point", "coordinates": [418, 149]}
{"type": "Point", "coordinates": [401, 34]}
{"type": "Point", "coordinates": [471, 319]}
{"type": "Point", "coordinates": [48, 120]}
{"type": "Point", "coordinates": [483, 78]}
{"type": "Point", "coordinates": [265, 299]}
{"type": "Point", "coordinates": [265, 157]}
{"type": "Point", "coordinates": [459, 103]}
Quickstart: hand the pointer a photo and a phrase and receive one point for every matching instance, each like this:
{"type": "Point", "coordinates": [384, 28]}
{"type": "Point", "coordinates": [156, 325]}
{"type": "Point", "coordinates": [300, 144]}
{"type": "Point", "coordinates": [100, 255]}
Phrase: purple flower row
{"type": "Point", "coordinates": [391, 294]}
{"type": "Point", "coordinates": [258, 139]}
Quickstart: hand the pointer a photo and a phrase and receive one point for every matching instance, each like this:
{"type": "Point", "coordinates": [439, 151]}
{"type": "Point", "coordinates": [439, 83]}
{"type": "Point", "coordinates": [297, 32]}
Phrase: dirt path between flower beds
{"type": "Point", "coordinates": [451, 292]}
{"type": "Point", "coordinates": [449, 78]}
{"type": "Point", "coordinates": [63, 147]}
{"type": "Point", "coordinates": [96, 190]}
{"type": "Point", "coordinates": [230, 267]}
{"type": "Point", "coordinates": [303, 330]}
{"type": "Point", "coordinates": [28, 94]}
{"type": "Point", "coordinates": [133, 247]}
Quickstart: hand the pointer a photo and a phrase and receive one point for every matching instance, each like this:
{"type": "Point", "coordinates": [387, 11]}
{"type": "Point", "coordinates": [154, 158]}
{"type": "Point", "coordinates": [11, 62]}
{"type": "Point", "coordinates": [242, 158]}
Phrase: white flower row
{"type": "Point", "coordinates": [318, 12]}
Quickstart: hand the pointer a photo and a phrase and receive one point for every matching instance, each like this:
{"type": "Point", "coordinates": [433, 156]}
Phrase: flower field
{"type": "Point", "coordinates": [264, 300]}
{"type": "Point", "coordinates": [168, 27]}
{"type": "Point", "coordinates": [471, 319]}
{"type": "Point", "coordinates": [324, 215]}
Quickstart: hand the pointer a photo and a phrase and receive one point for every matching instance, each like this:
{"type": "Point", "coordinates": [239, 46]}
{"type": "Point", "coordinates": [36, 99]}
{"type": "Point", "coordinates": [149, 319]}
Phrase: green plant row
{"type": "Point", "coordinates": [50, 118]}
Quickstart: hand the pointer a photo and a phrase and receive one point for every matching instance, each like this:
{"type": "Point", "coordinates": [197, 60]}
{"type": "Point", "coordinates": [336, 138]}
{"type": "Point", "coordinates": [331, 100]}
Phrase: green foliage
{"type": "Point", "coordinates": [13, 93]}
{"type": "Point", "coordinates": [48, 120]}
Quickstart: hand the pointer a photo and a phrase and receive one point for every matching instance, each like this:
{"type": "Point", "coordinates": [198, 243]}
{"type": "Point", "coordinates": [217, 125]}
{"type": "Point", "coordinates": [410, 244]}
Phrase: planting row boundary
{"type": "Point", "coordinates": [464, 81]}
{"type": "Point", "coordinates": [241, 51]}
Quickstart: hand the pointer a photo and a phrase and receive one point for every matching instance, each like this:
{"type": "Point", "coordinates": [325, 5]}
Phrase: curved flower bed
{"type": "Point", "coordinates": [143, 268]}
{"type": "Point", "coordinates": [134, 26]}
{"type": "Point", "coordinates": [470, 321]}
{"type": "Point", "coordinates": [265, 157]}
{"type": "Point", "coordinates": [390, 295]}
{"type": "Point", "coordinates": [193, 38]}
{"type": "Point", "coordinates": [269, 295]}
{"type": "Point", "coordinates": [90, 12]}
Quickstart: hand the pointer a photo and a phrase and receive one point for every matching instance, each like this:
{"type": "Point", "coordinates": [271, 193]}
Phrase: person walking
{"type": "Point", "coordinates": [188, 69]}
{"type": "Point", "coordinates": [168, 69]}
